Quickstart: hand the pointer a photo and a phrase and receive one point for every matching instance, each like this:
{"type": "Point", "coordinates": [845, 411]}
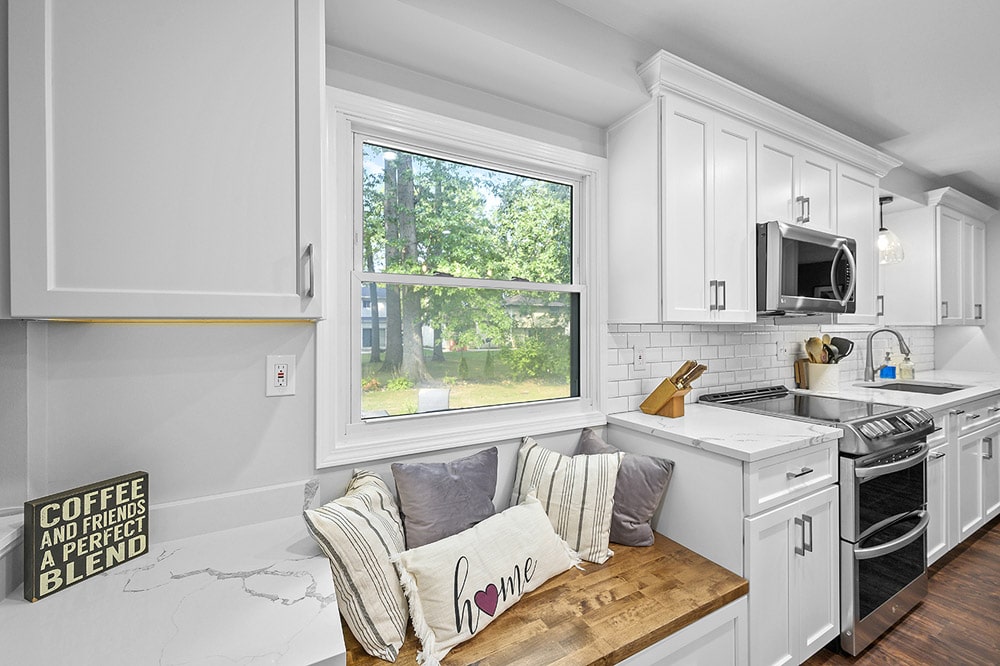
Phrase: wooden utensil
{"type": "Point", "coordinates": [814, 350]}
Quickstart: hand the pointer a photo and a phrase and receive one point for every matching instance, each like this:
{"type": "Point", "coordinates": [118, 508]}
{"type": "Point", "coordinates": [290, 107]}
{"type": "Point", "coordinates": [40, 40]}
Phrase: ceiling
{"type": "Point", "coordinates": [917, 79]}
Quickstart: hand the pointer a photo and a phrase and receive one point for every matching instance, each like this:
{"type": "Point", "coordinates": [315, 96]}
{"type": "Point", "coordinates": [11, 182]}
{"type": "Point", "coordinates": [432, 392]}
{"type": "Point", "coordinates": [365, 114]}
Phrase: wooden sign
{"type": "Point", "coordinates": [72, 535]}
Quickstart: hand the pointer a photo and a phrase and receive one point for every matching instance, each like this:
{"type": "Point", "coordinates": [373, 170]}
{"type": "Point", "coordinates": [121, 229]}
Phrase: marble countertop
{"type": "Point", "coordinates": [741, 435]}
{"type": "Point", "coordinates": [251, 595]}
{"type": "Point", "coordinates": [979, 385]}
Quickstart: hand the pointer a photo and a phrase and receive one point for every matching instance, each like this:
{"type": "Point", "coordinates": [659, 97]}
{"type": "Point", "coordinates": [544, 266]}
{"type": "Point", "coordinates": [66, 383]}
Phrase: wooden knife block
{"type": "Point", "coordinates": [665, 400]}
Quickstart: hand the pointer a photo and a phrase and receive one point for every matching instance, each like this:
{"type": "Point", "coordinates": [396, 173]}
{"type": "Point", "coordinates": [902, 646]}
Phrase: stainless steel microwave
{"type": "Point", "coordinates": [804, 271]}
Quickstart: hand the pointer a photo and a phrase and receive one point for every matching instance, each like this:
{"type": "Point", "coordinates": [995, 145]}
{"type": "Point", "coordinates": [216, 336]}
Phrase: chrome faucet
{"type": "Point", "coordinates": [869, 362]}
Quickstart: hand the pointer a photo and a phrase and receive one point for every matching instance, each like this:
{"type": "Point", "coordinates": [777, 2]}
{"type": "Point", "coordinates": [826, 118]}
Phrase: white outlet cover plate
{"type": "Point", "coordinates": [271, 387]}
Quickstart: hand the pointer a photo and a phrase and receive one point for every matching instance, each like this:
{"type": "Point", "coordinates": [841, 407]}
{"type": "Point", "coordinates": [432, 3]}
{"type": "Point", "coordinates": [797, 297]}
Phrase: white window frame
{"type": "Point", "coordinates": [344, 438]}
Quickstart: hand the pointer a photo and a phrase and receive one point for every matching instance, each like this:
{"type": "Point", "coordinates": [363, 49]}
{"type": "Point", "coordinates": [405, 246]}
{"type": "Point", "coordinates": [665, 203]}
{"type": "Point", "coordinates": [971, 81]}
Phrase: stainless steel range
{"type": "Point", "coordinates": [883, 501]}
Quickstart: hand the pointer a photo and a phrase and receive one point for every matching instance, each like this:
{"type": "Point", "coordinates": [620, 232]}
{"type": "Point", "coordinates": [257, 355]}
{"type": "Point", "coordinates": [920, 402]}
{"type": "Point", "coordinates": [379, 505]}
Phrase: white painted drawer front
{"type": "Point", "coordinates": [776, 480]}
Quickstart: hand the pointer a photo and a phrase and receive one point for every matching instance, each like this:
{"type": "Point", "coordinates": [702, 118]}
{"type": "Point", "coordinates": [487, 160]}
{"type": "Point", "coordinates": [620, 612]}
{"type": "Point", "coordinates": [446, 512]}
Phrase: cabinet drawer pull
{"type": "Point", "coordinates": [973, 416]}
{"type": "Point", "coordinates": [937, 455]}
{"type": "Point", "coordinates": [802, 472]}
{"type": "Point", "coordinates": [944, 309]}
{"type": "Point", "coordinates": [979, 311]}
{"type": "Point", "coordinates": [311, 291]}
{"type": "Point", "coordinates": [722, 285]}
{"type": "Point", "coordinates": [714, 286]}
{"type": "Point", "coordinates": [956, 412]}
{"type": "Point", "coordinates": [993, 410]}
{"type": "Point", "coordinates": [989, 445]}
{"type": "Point", "coordinates": [881, 306]}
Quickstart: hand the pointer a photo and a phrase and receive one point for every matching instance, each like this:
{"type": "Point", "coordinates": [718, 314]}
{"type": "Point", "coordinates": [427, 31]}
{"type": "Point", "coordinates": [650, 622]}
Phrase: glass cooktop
{"type": "Point", "coordinates": [779, 401]}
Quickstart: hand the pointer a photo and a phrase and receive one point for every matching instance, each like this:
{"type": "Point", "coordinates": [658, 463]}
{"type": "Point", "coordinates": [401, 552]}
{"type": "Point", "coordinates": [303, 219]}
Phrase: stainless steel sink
{"type": "Point", "coordinates": [933, 388]}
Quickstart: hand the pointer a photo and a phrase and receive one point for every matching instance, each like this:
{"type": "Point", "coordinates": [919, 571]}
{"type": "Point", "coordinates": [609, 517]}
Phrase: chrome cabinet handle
{"type": "Point", "coordinates": [993, 410]}
{"type": "Point", "coordinates": [881, 306]}
{"type": "Point", "coordinates": [944, 309]}
{"type": "Point", "coordinates": [800, 550]}
{"type": "Point", "coordinates": [937, 455]}
{"type": "Point", "coordinates": [311, 291]}
{"type": "Point", "coordinates": [801, 201]}
{"type": "Point", "coordinates": [714, 286]}
{"type": "Point", "coordinates": [807, 209]}
{"type": "Point", "coordinates": [956, 412]}
{"type": "Point", "coordinates": [722, 285]}
{"type": "Point", "coordinates": [973, 416]}
{"type": "Point", "coordinates": [979, 310]}
{"type": "Point", "coordinates": [808, 520]}
{"type": "Point", "coordinates": [989, 444]}
{"type": "Point", "coordinates": [802, 472]}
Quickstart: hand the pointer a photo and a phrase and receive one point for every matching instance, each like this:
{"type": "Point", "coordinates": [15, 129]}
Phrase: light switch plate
{"type": "Point", "coordinates": [279, 377]}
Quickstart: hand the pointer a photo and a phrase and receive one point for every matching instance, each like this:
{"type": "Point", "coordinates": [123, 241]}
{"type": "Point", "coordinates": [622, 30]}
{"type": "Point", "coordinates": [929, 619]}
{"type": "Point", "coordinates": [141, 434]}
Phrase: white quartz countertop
{"type": "Point", "coordinates": [980, 385]}
{"type": "Point", "coordinates": [261, 594]}
{"type": "Point", "coordinates": [741, 435]}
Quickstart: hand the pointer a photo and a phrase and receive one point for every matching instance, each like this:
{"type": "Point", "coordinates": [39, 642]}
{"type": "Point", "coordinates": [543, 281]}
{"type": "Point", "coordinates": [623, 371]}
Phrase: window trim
{"type": "Point", "coordinates": [342, 441]}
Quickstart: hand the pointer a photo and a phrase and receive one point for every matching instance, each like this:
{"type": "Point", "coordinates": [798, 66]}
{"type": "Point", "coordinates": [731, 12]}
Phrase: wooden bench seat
{"type": "Point", "coordinates": [602, 615]}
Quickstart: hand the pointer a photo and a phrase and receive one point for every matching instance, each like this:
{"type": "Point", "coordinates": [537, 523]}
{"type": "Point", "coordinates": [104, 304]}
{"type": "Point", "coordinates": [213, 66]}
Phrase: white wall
{"type": "Point", "coordinates": [13, 415]}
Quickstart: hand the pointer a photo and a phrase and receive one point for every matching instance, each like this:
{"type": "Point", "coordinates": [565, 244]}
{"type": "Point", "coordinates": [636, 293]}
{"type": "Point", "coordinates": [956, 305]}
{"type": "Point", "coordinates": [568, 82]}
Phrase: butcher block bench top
{"type": "Point", "coordinates": [602, 615]}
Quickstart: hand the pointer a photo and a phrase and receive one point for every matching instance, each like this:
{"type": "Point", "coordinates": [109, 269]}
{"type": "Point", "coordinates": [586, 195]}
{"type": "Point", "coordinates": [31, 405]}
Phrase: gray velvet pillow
{"type": "Point", "coordinates": [438, 500]}
{"type": "Point", "coordinates": [642, 481]}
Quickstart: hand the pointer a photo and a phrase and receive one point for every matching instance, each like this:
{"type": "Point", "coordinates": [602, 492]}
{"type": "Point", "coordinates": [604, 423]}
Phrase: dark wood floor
{"type": "Point", "coordinates": [958, 622]}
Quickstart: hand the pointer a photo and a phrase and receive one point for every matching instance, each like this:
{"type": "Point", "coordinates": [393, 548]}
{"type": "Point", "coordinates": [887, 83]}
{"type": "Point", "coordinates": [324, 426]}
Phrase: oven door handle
{"type": "Point", "coordinates": [895, 544]}
{"type": "Point", "coordinates": [889, 468]}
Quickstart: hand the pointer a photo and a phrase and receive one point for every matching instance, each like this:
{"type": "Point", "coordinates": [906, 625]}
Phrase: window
{"type": "Point", "coordinates": [461, 308]}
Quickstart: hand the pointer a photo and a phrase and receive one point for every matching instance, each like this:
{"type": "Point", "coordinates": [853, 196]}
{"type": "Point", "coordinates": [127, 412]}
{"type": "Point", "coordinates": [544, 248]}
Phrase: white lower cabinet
{"type": "Point", "coordinates": [791, 560]}
{"type": "Point", "coordinates": [718, 639]}
{"type": "Point", "coordinates": [978, 479]}
{"type": "Point", "coordinates": [938, 499]}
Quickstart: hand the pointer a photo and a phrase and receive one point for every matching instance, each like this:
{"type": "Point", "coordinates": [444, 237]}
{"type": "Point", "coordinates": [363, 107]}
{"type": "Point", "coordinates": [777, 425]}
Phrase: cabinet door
{"type": "Point", "coordinates": [818, 185]}
{"type": "Point", "coordinates": [817, 582]}
{"type": "Point", "coordinates": [974, 256]}
{"type": "Point", "coordinates": [950, 280]}
{"type": "Point", "coordinates": [991, 474]}
{"type": "Point", "coordinates": [687, 209]}
{"type": "Point", "coordinates": [733, 226]}
{"type": "Point", "coordinates": [792, 563]}
{"type": "Point", "coordinates": [776, 179]}
{"type": "Point", "coordinates": [970, 484]}
{"type": "Point", "coordinates": [857, 218]}
{"type": "Point", "coordinates": [937, 502]}
{"type": "Point", "coordinates": [166, 158]}
{"type": "Point", "coordinates": [771, 541]}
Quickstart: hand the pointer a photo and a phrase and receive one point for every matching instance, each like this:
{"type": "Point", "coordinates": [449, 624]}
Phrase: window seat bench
{"type": "Point", "coordinates": [648, 605]}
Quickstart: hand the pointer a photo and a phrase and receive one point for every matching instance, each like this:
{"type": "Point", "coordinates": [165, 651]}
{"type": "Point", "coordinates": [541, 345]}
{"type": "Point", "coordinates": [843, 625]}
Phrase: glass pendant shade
{"type": "Point", "coordinates": [890, 249]}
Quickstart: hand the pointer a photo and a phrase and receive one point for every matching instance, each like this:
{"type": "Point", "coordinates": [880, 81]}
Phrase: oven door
{"type": "Point", "coordinates": [883, 577]}
{"type": "Point", "coordinates": [886, 486]}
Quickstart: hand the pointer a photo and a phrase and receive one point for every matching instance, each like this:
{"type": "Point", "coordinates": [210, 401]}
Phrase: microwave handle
{"type": "Point", "coordinates": [846, 251]}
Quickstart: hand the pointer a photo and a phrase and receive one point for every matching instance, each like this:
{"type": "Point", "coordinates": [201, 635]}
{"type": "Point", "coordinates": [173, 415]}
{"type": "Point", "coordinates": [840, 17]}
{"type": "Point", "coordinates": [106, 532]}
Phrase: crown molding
{"type": "Point", "coordinates": [665, 72]}
{"type": "Point", "coordinates": [963, 203]}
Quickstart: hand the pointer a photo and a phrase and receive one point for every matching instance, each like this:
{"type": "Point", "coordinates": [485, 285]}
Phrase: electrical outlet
{"type": "Point", "coordinates": [279, 378]}
{"type": "Point", "coordinates": [639, 358]}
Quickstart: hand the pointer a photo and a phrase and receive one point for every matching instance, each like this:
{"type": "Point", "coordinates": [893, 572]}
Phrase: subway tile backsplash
{"type": "Point", "coordinates": [738, 356]}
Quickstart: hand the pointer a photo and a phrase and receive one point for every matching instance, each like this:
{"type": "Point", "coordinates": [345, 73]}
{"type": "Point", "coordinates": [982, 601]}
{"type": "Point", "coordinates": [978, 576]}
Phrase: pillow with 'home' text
{"type": "Point", "coordinates": [458, 585]}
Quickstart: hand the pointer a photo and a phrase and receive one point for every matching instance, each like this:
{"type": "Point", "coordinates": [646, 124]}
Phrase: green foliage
{"type": "Point", "coordinates": [370, 384]}
{"type": "Point", "coordinates": [540, 354]}
{"type": "Point", "coordinates": [463, 368]}
{"type": "Point", "coordinates": [399, 384]}
{"type": "Point", "coordinates": [489, 369]}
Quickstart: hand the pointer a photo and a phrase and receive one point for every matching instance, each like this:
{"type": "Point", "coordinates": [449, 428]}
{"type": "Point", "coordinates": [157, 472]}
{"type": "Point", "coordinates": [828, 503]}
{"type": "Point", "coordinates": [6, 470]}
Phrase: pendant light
{"type": "Point", "coordinates": [890, 249]}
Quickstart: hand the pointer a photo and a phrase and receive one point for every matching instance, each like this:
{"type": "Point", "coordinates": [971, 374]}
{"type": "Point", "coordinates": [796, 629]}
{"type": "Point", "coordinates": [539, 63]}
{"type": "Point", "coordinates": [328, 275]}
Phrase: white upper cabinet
{"type": "Point", "coordinates": [691, 173]}
{"type": "Point", "coordinates": [795, 184]}
{"type": "Point", "coordinates": [681, 215]}
{"type": "Point", "coordinates": [857, 218]}
{"type": "Point", "coordinates": [166, 158]}
{"type": "Point", "coordinates": [942, 278]}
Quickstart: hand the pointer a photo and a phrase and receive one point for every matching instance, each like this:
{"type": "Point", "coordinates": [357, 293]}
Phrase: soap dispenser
{"type": "Point", "coordinates": [906, 368]}
{"type": "Point", "coordinates": [887, 370]}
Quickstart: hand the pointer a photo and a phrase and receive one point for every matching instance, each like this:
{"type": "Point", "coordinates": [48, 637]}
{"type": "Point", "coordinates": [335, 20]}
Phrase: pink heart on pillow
{"type": "Point", "coordinates": [487, 599]}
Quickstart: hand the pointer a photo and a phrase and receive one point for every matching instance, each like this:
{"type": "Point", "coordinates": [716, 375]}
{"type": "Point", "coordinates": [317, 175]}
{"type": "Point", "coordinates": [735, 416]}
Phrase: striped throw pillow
{"type": "Point", "coordinates": [576, 492]}
{"type": "Point", "coordinates": [359, 532]}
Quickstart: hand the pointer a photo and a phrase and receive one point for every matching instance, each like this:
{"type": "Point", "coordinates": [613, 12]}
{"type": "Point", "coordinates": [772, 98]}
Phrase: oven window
{"type": "Point", "coordinates": [891, 495]}
{"type": "Point", "coordinates": [879, 578]}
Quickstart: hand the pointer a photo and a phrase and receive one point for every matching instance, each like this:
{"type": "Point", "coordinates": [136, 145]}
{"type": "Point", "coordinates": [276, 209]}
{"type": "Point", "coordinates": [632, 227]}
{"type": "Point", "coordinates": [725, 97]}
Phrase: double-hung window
{"type": "Point", "coordinates": [462, 263]}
